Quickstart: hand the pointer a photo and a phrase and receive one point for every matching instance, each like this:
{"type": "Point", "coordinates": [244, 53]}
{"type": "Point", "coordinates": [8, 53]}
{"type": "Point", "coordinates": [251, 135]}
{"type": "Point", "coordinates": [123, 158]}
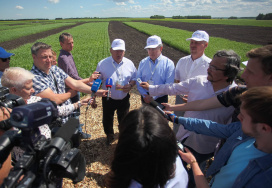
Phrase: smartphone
{"type": "Point", "coordinates": [180, 146]}
{"type": "Point", "coordinates": [139, 80]}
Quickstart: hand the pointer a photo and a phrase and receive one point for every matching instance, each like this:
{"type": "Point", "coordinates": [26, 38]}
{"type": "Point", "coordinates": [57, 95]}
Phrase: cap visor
{"type": "Point", "coordinates": [152, 46]}
{"type": "Point", "coordinates": [118, 48]}
{"type": "Point", "coordinates": [196, 39]}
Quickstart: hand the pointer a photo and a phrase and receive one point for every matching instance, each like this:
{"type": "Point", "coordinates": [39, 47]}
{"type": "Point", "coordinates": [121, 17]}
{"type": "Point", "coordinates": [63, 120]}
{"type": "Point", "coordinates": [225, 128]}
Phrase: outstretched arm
{"type": "Point", "coordinates": [199, 177]}
{"type": "Point", "coordinates": [198, 105]}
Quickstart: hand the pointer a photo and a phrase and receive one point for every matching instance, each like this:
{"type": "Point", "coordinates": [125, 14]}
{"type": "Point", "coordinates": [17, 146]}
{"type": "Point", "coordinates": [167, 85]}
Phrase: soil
{"type": "Point", "coordinates": [247, 34]}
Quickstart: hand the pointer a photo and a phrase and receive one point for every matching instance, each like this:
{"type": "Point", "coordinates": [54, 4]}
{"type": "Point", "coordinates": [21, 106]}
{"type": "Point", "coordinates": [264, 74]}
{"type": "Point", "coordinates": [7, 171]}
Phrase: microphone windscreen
{"type": "Point", "coordinates": [109, 82]}
{"type": "Point", "coordinates": [67, 130]}
{"type": "Point", "coordinates": [96, 85]}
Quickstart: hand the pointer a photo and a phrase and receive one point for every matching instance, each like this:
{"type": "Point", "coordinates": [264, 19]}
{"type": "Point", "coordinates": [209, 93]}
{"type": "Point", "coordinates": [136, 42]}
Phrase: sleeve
{"type": "Point", "coordinates": [66, 65]}
{"type": "Point", "coordinates": [170, 76]}
{"type": "Point", "coordinates": [170, 89]}
{"type": "Point", "coordinates": [230, 97]}
{"type": "Point", "coordinates": [39, 84]}
{"type": "Point", "coordinates": [209, 128]}
{"type": "Point", "coordinates": [141, 90]}
{"type": "Point", "coordinates": [65, 110]}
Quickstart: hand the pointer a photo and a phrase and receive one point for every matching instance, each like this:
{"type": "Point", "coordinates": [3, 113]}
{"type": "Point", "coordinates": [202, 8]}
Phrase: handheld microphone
{"type": "Point", "coordinates": [108, 85]}
{"type": "Point", "coordinates": [157, 106]}
{"type": "Point", "coordinates": [95, 86]}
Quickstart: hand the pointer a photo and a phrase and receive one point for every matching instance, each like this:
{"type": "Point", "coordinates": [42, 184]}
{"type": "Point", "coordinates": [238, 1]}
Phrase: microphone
{"type": "Point", "coordinates": [95, 86]}
{"type": "Point", "coordinates": [108, 85]}
{"type": "Point", "coordinates": [157, 106]}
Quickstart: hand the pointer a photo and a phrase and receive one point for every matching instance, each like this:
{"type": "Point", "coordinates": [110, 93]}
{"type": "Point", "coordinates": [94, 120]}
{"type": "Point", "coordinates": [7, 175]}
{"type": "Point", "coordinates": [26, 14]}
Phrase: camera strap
{"type": "Point", "coordinates": [55, 81]}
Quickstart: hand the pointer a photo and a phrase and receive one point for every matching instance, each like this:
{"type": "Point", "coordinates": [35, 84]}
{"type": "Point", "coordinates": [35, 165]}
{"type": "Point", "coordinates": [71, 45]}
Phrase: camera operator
{"type": "Point", "coordinates": [19, 81]}
{"type": "Point", "coordinates": [4, 171]}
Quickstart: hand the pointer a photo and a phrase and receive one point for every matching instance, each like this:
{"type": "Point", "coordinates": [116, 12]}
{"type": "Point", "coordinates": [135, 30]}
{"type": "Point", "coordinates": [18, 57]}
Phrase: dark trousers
{"type": "Point", "coordinates": [109, 107]}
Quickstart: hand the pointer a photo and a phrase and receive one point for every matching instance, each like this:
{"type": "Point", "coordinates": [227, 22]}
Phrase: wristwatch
{"type": "Point", "coordinates": [79, 104]}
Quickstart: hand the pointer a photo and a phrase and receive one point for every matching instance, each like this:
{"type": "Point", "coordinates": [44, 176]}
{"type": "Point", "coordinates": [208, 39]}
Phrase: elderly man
{"type": "Point", "coordinates": [123, 74]}
{"type": "Point", "coordinates": [155, 69]}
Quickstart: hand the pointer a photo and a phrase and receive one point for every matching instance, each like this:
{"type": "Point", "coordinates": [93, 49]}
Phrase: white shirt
{"type": "Point", "coordinates": [180, 180]}
{"type": "Point", "coordinates": [197, 88]}
{"type": "Point", "coordinates": [124, 72]}
{"type": "Point", "coordinates": [188, 68]}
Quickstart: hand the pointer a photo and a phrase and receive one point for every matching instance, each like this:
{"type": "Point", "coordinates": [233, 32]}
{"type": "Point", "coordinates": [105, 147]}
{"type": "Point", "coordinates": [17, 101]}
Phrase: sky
{"type": "Point", "coordinates": [51, 9]}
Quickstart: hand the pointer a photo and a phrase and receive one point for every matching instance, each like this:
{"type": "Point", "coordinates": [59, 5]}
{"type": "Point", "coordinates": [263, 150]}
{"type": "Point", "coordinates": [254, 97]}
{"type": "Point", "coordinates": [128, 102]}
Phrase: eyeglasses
{"type": "Point", "coordinates": [214, 68]}
{"type": "Point", "coordinates": [5, 59]}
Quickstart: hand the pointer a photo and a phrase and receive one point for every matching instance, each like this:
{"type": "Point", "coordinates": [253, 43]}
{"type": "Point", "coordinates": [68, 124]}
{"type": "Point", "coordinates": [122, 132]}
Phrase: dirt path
{"type": "Point", "coordinates": [247, 34]}
{"type": "Point", "coordinates": [136, 41]}
{"type": "Point", "coordinates": [12, 44]}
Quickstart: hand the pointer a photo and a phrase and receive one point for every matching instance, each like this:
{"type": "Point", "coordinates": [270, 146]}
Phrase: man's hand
{"type": "Point", "coordinates": [145, 85]}
{"type": "Point", "coordinates": [102, 93]}
{"type": "Point", "coordinates": [127, 88]}
{"type": "Point", "coordinates": [94, 76]}
{"type": "Point", "coordinates": [147, 98]}
{"type": "Point", "coordinates": [168, 107]}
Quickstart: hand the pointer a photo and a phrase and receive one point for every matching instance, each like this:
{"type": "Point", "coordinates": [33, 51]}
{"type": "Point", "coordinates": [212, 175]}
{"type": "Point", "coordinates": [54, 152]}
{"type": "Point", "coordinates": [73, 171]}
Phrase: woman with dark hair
{"type": "Point", "coordinates": [146, 154]}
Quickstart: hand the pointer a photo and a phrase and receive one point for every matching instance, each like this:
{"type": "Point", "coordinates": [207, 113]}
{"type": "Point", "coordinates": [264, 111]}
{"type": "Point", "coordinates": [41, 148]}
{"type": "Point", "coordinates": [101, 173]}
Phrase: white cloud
{"type": "Point", "coordinates": [121, 4]}
{"type": "Point", "coordinates": [81, 6]}
{"type": "Point", "coordinates": [45, 7]}
{"type": "Point", "coordinates": [54, 1]}
{"type": "Point", "coordinates": [131, 2]}
{"type": "Point", "coordinates": [19, 7]}
{"type": "Point", "coordinates": [136, 7]}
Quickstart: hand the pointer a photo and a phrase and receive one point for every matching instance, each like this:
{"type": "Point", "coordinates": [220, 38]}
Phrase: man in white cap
{"type": "Point", "coordinates": [193, 65]}
{"type": "Point", "coordinates": [4, 61]}
{"type": "Point", "coordinates": [123, 74]}
{"type": "Point", "coordinates": [156, 69]}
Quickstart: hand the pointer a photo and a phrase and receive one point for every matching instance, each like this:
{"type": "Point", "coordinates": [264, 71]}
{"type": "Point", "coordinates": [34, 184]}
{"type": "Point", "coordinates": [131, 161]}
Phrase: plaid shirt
{"type": "Point", "coordinates": [42, 81]}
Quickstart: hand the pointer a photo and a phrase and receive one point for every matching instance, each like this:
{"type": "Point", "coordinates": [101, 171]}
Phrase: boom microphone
{"type": "Point", "coordinates": [108, 85]}
{"type": "Point", "coordinates": [157, 106]}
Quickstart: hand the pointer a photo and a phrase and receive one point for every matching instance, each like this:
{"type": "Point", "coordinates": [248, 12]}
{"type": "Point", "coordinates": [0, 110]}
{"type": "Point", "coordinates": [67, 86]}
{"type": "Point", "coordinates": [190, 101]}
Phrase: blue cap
{"type": "Point", "coordinates": [4, 53]}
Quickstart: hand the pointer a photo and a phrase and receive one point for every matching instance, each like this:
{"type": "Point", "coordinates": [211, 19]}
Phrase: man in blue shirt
{"type": "Point", "coordinates": [155, 69]}
{"type": "Point", "coordinates": [245, 160]}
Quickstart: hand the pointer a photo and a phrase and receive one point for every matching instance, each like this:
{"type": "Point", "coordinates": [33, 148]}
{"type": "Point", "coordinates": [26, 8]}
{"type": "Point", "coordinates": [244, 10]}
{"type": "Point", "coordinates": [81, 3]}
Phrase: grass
{"type": "Point", "coordinates": [176, 39]}
{"type": "Point", "coordinates": [91, 45]}
{"type": "Point", "coordinates": [17, 31]}
{"type": "Point", "coordinates": [241, 22]}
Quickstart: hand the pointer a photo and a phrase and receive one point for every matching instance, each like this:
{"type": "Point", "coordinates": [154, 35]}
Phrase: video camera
{"type": "Point", "coordinates": [45, 162]}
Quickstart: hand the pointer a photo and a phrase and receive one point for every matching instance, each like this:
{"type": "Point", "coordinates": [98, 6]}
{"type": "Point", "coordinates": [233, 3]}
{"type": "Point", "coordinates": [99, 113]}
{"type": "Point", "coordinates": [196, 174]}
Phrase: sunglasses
{"type": "Point", "coordinates": [5, 59]}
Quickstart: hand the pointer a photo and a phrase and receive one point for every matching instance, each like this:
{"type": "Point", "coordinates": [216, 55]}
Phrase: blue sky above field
{"type": "Point", "coordinates": [51, 9]}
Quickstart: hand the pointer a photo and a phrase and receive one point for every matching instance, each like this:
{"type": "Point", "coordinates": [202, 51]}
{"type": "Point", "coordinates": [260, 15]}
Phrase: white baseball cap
{"type": "Point", "coordinates": [118, 44]}
{"type": "Point", "coordinates": [200, 35]}
{"type": "Point", "coordinates": [245, 63]}
{"type": "Point", "coordinates": [153, 42]}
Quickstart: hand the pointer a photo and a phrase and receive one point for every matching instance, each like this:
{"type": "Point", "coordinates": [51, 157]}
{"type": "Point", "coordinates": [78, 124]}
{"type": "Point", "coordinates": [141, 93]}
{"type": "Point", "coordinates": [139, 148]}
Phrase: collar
{"type": "Point", "coordinates": [157, 60]}
{"type": "Point", "coordinates": [65, 52]}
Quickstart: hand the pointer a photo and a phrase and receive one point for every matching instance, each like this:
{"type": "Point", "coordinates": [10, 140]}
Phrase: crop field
{"type": "Point", "coordinates": [92, 38]}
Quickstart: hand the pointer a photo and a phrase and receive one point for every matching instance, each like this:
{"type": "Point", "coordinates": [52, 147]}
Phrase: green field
{"type": "Point", "coordinates": [91, 45]}
{"type": "Point", "coordinates": [176, 38]}
{"type": "Point", "coordinates": [92, 39]}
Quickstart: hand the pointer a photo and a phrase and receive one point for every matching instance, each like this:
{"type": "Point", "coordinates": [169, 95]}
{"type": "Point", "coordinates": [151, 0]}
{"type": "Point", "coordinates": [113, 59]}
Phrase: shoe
{"type": "Point", "coordinates": [85, 135]}
{"type": "Point", "coordinates": [110, 138]}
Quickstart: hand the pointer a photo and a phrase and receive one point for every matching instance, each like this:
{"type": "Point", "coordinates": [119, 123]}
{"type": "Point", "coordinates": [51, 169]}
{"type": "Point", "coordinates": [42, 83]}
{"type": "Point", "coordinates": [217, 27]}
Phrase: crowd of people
{"type": "Point", "coordinates": [213, 115]}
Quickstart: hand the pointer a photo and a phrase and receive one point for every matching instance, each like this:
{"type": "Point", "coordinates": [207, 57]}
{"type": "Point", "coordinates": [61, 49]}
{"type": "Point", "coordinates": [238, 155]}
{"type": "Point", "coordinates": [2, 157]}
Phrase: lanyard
{"type": "Point", "coordinates": [119, 75]}
{"type": "Point", "coordinates": [152, 73]}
